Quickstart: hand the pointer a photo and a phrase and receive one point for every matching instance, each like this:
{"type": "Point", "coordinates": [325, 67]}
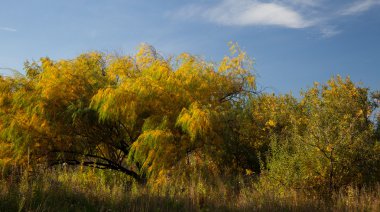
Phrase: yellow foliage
{"type": "Point", "coordinates": [270, 124]}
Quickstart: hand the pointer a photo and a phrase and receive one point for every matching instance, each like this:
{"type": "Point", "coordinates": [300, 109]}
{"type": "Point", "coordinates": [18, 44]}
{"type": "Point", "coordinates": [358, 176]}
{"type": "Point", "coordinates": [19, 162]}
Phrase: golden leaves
{"type": "Point", "coordinates": [196, 121]}
{"type": "Point", "coordinates": [270, 124]}
{"type": "Point", "coordinates": [159, 107]}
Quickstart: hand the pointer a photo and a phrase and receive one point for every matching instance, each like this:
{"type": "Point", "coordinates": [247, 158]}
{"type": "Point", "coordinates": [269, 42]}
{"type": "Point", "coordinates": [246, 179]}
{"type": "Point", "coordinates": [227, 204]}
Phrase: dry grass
{"type": "Point", "coordinates": [89, 190]}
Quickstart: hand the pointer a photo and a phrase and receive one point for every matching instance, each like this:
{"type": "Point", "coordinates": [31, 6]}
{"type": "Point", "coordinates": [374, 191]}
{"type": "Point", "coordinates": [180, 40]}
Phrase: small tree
{"type": "Point", "coordinates": [332, 145]}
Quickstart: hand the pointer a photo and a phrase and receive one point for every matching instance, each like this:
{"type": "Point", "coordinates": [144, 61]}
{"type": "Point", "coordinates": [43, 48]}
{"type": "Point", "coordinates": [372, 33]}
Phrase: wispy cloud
{"type": "Point", "coordinates": [294, 14]}
{"type": "Point", "coordinates": [359, 7]}
{"type": "Point", "coordinates": [8, 29]}
{"type": "Point", "coordinates": [247, 13]}
{"type": "Point", "coordinates": [329, 31]}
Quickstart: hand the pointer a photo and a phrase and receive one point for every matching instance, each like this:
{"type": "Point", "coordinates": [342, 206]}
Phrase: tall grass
{"type": "Point", "coordinates": [64, 189]}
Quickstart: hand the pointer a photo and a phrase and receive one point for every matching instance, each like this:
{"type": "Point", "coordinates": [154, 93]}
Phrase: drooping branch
{"type": "Point", "coordinates": [106, 164]}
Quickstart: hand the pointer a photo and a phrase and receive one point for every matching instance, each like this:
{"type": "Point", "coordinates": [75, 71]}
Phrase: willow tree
{"type": "Point", "coordinates": [8, 86]}
{"type": "Point", "coordinates": [143, 115]}
{"type": "Point", "coordinates": [49, 112]}
{"type": "Point", "coordinates": [171, 112]}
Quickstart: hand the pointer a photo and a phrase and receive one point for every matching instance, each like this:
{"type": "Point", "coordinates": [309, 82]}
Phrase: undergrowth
{"type": "Point", "coordinates": [63, 189]}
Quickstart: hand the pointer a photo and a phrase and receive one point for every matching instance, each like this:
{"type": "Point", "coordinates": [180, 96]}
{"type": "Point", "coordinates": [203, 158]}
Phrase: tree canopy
{"type": "Point", "coordinates": [138, 114]}
{"type": "Point", "coordinates": [156, 118]}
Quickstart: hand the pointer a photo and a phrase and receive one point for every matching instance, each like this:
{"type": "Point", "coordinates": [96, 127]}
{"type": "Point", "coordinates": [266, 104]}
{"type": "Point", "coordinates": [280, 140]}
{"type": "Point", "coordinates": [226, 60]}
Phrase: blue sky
{"type": "Point", "coordinates": [294, 42]}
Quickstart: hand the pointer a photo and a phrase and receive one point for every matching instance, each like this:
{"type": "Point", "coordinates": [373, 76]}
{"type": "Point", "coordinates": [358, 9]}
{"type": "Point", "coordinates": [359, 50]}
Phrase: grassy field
{"type": "Point", "coordinates": [93, 190]}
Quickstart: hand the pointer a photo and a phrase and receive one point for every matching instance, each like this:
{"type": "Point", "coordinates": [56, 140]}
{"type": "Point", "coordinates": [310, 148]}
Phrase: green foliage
{"type": "Point", "coordinates": [141, 114]}
{"type": "Point", "coordinates": [185, 120]}
{"type": "Point", "coordinates": [332, 144]}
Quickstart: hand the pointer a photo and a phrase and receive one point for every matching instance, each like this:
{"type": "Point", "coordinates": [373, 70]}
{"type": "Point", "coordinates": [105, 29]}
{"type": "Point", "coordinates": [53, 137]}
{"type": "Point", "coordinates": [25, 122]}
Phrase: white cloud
{"type": "Point", "coordinates": [8, 29]}
{"type": "Point", "coordinates": [294, 14]}
{"type": "Point", "coordinates": [359, 7]}
{"type": "Point", "coordinates": [245, 13]}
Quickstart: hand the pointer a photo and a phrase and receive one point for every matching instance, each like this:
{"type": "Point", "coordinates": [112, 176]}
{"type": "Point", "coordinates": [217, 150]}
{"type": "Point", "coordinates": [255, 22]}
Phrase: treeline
{"type": "Point", "coordinates": [174, 120]}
